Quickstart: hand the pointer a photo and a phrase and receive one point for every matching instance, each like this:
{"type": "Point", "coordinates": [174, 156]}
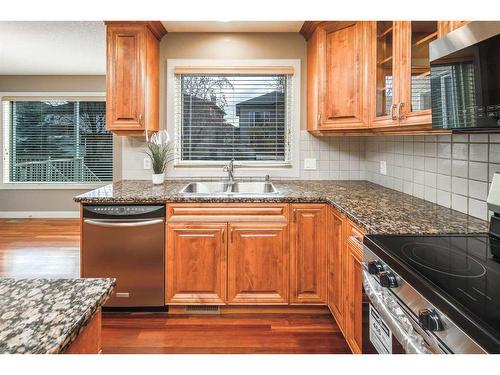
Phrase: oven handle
{"type": "Point", "coordinates": [400, 325]}
{"type": "Point", "coordinates": [128, 224]}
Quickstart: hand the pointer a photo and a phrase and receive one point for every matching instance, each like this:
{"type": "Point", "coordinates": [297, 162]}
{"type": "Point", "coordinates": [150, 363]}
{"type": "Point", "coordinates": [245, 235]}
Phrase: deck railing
{"type": "Point", "coordinates": [53, 170]}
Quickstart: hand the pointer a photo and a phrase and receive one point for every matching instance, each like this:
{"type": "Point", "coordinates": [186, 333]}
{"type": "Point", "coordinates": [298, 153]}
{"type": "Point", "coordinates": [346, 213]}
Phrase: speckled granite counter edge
{"type": "Point", "coordinates": [80, 325]}
{"type": "Point", "coordinates": [315, 197]}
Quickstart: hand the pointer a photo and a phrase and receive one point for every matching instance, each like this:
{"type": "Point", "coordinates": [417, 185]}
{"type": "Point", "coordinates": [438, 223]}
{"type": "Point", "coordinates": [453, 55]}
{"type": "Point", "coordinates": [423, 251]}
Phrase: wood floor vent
{"type": "Point", "coordinates": [197, 309]}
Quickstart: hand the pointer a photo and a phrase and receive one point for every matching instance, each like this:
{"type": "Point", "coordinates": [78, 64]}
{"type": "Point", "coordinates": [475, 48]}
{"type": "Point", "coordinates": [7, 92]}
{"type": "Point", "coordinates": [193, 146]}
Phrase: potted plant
{"type": "Point", "coordinates": [160, 151]}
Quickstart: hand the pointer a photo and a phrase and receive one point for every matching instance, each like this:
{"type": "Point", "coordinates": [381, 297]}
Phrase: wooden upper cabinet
{"type": "Point", "coordinates": [337, 76]}
{"type": "Point", "coordinates": [258, 263]}
{"type": "Point", "coordinates": [400, 74]}
{"type": "Point", "coordinates": [196, 264]}
{"type": "Point", "coordinates": [336, 260]}
{"type": "Point", "coordinates": [132, 76]}
{"type": "Point", "coordinates": [308, 254]}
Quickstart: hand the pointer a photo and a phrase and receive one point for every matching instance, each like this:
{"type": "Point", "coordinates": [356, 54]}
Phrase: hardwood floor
{"type": "Point", "coordinates": [39, 248]}
{"type": "Point", "coordinates": [235, 334]}
{"type": "Point", "coordinates": [50, 248]}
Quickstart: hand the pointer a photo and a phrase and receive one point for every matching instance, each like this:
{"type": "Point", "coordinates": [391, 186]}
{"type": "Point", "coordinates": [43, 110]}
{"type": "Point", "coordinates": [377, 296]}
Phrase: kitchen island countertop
{"type": "Point", "coordinates": [375, 208]}
{"type": "Point", "coordinates": [44, 316]}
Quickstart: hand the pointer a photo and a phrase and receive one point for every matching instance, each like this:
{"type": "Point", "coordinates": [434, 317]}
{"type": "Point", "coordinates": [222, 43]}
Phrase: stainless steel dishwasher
{"type": "Point", "coordinates": [126, 242]}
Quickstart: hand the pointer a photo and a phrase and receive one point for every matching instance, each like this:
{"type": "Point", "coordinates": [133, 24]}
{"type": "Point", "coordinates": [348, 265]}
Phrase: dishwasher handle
{"type": "Point", "coordinates": [123, 224]}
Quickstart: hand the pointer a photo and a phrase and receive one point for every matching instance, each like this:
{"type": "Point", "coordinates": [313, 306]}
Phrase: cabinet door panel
{"type": "Point", "coordinates": [335, 266]}
{"type": "Point", "coordinates": [196, 265]}
{"type": "Point", "coordinates": [258, 263]}
{"type": "Point", "coordinates": [342, 93]}
{"type": "Point", "coordinates": [308, 254]}
{"type": "Point", "coordinates": [414, 106]}
{"type": "Point", "coordinates": [384, 73]}
{"type": "Point", "coordinates": [125, 74]}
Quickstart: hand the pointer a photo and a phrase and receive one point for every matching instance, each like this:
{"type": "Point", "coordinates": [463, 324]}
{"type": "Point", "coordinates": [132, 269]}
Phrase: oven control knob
{"type": "Point", "coordinates": [375, 267]}
{"type": "Point", "coordinates": [429, 320]}
{"type": "Point", "coordinates": [388, 279]}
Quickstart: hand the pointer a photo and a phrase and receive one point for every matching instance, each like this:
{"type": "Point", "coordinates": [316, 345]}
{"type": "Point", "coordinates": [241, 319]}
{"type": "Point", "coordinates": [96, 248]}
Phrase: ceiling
{"type": "Point", "coordinates": [52, 48]}
{"type": "Point", "coordinates": [65, 48]}
{"type": "Point", "coordinates": [233, 26]}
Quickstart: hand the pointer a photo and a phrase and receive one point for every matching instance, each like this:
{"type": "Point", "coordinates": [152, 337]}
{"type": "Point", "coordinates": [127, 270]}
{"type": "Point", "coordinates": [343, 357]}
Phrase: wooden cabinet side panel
{"type": "Point", "coordinates": [308, 254]}
{"type": "Point", "coordinates": [196, 264]}
{"type": "Point", "coordinates": [315, 52]}
{"type": "Point", "coordinates": [258, 263]}
{"type": "Point", "coordinates": [152, 85]}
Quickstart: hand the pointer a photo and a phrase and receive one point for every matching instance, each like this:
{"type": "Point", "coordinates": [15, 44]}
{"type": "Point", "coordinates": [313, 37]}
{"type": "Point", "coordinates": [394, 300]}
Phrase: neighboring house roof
{"type": "Point", "coordinates": [211, 103]}
{"type": "Point", "coordinates": [270, 98]}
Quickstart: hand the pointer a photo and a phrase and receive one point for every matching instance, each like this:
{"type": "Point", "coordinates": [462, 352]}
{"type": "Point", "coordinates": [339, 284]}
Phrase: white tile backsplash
{"type": "Point", "coordinates": [451, 170]}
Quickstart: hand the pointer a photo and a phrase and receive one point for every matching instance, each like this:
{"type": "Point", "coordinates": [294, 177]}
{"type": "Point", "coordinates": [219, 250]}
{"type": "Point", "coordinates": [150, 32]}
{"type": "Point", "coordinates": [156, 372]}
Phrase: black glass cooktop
{"type": "Point", "coordinates": [460, 274]}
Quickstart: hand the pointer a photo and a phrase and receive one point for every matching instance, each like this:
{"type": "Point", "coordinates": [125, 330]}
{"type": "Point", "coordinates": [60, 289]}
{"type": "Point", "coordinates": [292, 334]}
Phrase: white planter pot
{"type": "Point", "coordinates": [158, 178]}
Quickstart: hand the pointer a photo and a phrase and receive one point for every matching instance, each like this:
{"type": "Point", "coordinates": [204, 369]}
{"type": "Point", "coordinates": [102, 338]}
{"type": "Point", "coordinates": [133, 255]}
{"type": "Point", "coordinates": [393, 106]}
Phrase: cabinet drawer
{"type": "Point", "coordinates": [355, 236]}
{"type": "Point", "coordinates": [227, 212]}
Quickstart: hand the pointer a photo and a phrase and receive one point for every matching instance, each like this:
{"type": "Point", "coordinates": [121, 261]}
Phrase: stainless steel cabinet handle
{"type": "Point", "coordinates": [110, 224]}
{"type": "Point", "coordinates": [140, 118]}
{"type": "Point", "coordinates": [401, 114]}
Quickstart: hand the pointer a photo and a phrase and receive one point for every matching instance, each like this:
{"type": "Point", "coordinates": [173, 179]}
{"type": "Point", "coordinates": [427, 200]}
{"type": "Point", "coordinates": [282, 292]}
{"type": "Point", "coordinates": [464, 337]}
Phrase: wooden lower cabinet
{"type": "Point", "coordinates": [196, 264]}
{"type": "Point", "coordinates": [257, 263]}
{"type": "Point", "coordinates": [353, 292]}
{"type": "Point", "coordinates": [88, 340]}
{"type": "Point", "coordinates": [336, 260]}
{"type": "Point", "coordinates": [308, 254]}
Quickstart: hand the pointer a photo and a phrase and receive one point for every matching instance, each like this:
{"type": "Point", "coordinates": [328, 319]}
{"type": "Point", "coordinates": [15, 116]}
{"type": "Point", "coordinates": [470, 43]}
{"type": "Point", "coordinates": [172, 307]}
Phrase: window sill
{"type": "Point", "coordinates": [236, 165]}
{"type": "Point", "coordinates": [50, 186]}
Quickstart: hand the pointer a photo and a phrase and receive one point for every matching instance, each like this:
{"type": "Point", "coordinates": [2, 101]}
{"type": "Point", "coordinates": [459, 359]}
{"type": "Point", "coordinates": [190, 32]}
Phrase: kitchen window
{"type": "Point", "coordinates": [228, 113]}
{"type": "Point", "coordinates": [56, 140]}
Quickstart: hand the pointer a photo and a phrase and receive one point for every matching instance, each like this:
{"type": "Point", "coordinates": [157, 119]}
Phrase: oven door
{"type": "Point", "coordinates": [386, 327]}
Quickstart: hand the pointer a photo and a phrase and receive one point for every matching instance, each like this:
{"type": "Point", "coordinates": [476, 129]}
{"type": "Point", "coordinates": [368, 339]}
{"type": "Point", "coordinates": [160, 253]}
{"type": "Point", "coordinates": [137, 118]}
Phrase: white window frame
{"type": "Point", "coordinates": [5, 146]}
{"type": "Point", "coordinates": [190, 170]}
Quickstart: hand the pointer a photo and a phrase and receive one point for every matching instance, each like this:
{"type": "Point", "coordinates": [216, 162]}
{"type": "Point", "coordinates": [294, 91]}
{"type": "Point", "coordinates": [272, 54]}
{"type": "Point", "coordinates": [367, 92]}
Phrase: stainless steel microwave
{"type": "Point", "coordinates": [465, 78]}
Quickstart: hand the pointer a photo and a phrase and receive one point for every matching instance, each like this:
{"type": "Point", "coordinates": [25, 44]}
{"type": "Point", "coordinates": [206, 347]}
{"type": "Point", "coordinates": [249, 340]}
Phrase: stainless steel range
{"type": "Point", "coordinates": [433, 293]}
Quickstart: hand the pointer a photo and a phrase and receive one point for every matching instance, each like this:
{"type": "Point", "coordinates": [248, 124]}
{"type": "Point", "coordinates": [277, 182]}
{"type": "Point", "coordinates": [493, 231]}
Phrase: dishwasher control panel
{"type": "Point", "coordinates": [124, 211]}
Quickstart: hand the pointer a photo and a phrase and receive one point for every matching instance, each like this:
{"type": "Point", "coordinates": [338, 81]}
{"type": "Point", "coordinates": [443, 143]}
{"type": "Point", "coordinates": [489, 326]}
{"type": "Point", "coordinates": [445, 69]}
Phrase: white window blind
{"type": "Point", "coordinates": [242, 116]}
{"type": "Point", "coordinates": [56, 140]}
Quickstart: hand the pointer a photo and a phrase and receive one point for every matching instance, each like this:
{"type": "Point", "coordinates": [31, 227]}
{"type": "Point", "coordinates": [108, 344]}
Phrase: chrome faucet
{"type": "Point", "coordinates": [230, 171]}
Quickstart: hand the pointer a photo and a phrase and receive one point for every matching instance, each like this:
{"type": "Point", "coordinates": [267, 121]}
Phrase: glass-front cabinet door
{"type": "Point", "coordinates": [414, 105]}
{"type": "Point", "coordinates": [383, 77]}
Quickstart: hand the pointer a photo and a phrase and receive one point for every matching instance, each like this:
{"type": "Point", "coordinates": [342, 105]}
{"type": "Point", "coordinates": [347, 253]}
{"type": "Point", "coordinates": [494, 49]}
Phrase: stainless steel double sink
{"type": "Point", "coordinates": [230, 188]}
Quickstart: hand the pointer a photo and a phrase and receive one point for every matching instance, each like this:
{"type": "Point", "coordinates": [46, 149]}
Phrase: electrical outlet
{"type": "Point", "coordinates": [383, 167]}
{"type": "Point", "coordinates": [310, 164]}
{"type": "Point", "coordinates": [147, 163]}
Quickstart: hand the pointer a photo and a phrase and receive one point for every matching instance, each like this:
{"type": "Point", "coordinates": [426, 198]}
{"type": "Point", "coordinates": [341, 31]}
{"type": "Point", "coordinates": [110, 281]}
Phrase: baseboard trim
{"type": "Point", "coordinates": [38, 214]}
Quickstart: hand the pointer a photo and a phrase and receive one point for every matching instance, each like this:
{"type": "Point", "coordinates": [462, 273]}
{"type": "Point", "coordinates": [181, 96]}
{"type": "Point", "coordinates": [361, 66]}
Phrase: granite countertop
{"type": "Point", "coordinates": [375, 208]}
{"type": "Point", "coordinates": [44, 316]}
